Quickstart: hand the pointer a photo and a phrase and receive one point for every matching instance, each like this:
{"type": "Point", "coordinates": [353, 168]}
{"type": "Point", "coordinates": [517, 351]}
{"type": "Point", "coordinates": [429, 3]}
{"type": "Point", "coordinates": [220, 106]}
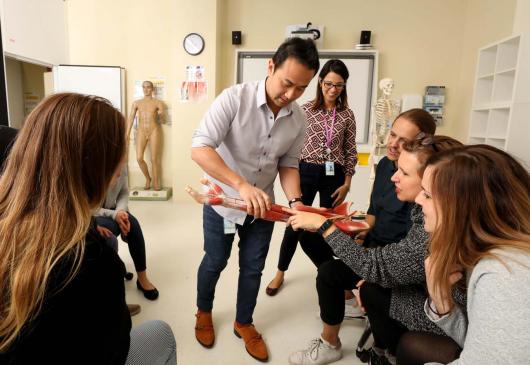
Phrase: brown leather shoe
{"type": "Point", "coordinates": [253, 341]}
{"type": "Point", "coordinates": [204, 332]}
{"type": "Point", "coordinates": [273, 291]}
{"type": "Point", "coordinates": [134, 309]}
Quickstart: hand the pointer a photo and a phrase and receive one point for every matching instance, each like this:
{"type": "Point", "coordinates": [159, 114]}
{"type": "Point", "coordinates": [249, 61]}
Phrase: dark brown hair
{"type": "Point", "coordinates": [302, 50]}
{"type": "Point", "coordinates": [421, 119]}
{"type": "Point", "coordinates": [338, 67]}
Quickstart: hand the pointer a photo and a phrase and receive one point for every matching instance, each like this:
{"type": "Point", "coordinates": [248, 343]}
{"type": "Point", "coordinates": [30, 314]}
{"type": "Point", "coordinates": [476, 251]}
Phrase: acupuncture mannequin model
{"type": "Point", "coordinates": [149, 131]}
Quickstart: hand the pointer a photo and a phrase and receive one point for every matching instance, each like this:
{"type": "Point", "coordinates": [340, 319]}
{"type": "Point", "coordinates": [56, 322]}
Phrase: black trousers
{"type": "Point", "coordinates": [135, 239]}
{"type": "Point", "coordinates": [334, 276]}
{"type": "Point", "coordinates": [385, 330]}
{"type": "Point", "coordinates": [313, 180]}
{"type": "Point", "coordinates": [316, 248]}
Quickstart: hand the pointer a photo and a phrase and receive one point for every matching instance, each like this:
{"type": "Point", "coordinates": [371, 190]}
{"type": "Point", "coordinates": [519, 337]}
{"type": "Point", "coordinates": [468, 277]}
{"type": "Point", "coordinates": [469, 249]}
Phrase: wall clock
{"type": "Point", "coordinates": [193, 44]}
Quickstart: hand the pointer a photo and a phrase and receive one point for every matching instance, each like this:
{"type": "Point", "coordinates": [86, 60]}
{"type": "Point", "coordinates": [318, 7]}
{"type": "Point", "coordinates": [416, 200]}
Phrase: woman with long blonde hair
{"type": "Point", "coordinates": [476, 204]}
{"type": "Point", "coordinates": [62, 296]}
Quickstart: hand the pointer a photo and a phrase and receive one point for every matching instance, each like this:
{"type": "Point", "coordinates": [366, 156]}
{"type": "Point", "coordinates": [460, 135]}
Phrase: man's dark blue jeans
{"type": "Point", "coordinates": [254, 240]}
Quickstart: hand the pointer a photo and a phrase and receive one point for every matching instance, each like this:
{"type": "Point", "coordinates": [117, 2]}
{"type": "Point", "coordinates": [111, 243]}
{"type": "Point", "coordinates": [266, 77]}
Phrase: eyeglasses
{"type": "Point", "coordinates": [329, 85]}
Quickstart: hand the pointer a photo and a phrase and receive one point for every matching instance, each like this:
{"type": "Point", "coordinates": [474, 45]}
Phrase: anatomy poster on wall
{"type": "Point", "coordinates": [195, 87]}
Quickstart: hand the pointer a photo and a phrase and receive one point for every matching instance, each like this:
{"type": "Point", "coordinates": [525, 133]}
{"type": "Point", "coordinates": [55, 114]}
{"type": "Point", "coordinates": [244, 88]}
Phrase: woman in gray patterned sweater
{"type": "Point", "coordinates": [397, 269]}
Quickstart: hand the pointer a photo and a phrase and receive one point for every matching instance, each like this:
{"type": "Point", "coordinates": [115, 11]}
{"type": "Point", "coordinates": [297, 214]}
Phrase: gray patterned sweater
{"type": "Point", "coordinates": [499, 315]}
{"type": "Point", "coordinates": [399, 266]}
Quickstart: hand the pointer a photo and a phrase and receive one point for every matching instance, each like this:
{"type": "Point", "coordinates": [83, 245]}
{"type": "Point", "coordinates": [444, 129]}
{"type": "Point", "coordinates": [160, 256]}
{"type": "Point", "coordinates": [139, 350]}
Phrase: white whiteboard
{"type": "Point", "coordinates": [105, 81]}
{"type": "Point", "coordinates": [252, 66]}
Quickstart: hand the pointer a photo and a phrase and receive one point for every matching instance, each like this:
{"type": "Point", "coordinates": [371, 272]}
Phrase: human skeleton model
{"type": "Point", "coordinates": [149, 131]}
{"type": "Point", "coordinates": [385, 110]}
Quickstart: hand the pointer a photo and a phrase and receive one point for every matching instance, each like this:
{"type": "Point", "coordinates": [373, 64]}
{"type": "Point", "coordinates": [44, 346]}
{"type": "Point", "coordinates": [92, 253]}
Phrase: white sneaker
{"type": "Point", "coordinates": [352, 310]}
{"type": "Point", "coordinates": [317, 353]}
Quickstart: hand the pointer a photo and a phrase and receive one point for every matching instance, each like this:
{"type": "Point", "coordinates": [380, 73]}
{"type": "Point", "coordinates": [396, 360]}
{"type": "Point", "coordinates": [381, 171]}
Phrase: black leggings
{"type": "Point", "coordinates": [135, 239]}
{"type": "Point", "coordinates": [418, 348]}
{"type": "Point", "coordinates": [333, 278]}
{"type": "Point", "coordinates": [385, 330]}
{"type": "Point", "coordinates": [313, 180]}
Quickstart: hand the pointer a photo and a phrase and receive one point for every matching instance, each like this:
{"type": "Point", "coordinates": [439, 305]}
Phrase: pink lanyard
{"type": "Point", "coordinates": [328, 132]}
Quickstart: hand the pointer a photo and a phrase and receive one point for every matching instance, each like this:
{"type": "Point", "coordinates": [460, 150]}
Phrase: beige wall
{"type": "Point", "coordinates": [23, 78]}
{"type": "Point", "coordinates": [521, 22]}
{"type": "Point", "coordinates": [421, 42]}
{"type": "Point", "coordinates": [486, 21]}
{"type": "Point", "coordinates": [33, 80]}
{"type": "Point", "coordinates": [419, 45]}
{"type": "Point", "coordinates": [15, 92]}
{"type": "Point", "coordinates": [146, 37]}
{"type": "Point", "coordinates": [200, 17]}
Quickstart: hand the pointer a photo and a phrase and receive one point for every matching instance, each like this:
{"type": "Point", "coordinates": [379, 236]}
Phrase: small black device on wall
{"type": "Point", "coordinates": [236, 37]}
{"type": "Point", "coordinates": [365, 37]}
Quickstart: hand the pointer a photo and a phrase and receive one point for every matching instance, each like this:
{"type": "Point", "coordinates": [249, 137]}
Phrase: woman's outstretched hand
{"type": "Point", "coordinates": [304, 220]}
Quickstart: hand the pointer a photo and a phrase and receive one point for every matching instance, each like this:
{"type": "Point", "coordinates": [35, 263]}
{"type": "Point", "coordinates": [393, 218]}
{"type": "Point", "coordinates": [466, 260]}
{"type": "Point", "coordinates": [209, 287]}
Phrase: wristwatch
{"type": "Point", "coordinates": [294, 200]}
{"type": "Point", "coordinates": [324, 226]}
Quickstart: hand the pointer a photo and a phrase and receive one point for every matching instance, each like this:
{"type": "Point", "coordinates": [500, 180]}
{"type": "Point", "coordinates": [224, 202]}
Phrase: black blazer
{"type": "Point", "coordinates": [85, 323]}
{"type": "Point", "coordinates": [7, 137]}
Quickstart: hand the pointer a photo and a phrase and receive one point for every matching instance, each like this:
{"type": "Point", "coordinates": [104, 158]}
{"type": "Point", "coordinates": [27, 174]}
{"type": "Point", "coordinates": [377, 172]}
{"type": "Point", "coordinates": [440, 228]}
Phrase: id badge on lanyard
{"type": "Point", "coordinates": [329, 165]}
{"type": "Point", "coordinates": [330, 168]}
{"type": "Point", "coordinates": [229, 227]}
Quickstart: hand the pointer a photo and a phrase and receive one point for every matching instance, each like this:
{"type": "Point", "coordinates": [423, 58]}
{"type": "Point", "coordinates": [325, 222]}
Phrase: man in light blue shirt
{"type": "Point", "coordinates": [251, 133]}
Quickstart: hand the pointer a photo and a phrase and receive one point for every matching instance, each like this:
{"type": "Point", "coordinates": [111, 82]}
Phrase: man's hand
{"type": "Point", "coordinates": [122, 218]}
{"type": "Point", "coordinates": [104, 232]}
{"type": "Point", "coordinates": [257, 201]}
{"type": "Point", "coordinates": [340, 194]}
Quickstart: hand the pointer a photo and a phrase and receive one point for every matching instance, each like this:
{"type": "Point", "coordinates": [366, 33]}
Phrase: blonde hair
{"type": "Point", "coordinates": [482, 199]}
{"type": "Point", "coordinates": [59, 169]}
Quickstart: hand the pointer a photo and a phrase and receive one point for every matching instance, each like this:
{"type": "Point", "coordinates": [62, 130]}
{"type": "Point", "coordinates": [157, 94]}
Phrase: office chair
{"type": "Point", "coordinates": [361, 351]}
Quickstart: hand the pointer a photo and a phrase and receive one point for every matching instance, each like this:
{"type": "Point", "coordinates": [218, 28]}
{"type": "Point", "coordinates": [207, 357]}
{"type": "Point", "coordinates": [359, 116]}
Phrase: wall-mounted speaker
{"type": "Point", "coordinates": [236, 37]}
{"type": "Point", "coordinates": [365, 37]}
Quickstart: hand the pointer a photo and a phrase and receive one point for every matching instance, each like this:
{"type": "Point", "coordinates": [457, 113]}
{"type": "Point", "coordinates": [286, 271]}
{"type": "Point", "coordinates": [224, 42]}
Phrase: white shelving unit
{"type": "Point", "coordinates": [500, 115]}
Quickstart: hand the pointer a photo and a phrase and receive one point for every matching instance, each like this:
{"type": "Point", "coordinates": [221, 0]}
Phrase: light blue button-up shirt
{"type": "Point", "coordinates": [240, 126]}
